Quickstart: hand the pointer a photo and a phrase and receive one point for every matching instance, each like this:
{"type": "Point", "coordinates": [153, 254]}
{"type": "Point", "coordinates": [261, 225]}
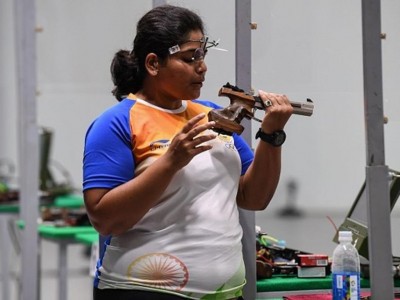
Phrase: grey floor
{"type": "Point", "coordinates": [311, 232]}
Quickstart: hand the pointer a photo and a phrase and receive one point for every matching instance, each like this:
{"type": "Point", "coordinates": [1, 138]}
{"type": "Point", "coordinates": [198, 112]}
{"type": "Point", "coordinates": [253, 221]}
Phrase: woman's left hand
{"type": "Point", "coordinates": [277, 114]}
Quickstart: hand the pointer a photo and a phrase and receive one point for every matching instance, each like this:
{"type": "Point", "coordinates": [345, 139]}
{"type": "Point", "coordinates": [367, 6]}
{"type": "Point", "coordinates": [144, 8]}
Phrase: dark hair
{"type": "Point", "coordinates": [158, 30]}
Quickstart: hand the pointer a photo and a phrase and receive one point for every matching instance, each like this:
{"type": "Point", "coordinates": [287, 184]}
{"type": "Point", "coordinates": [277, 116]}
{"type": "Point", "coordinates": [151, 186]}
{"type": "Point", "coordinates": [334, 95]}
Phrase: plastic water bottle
{"type": "Point", "coordinates": [345, 269]}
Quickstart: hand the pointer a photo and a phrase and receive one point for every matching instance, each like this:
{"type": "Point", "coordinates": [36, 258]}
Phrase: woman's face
{"type": "Point", "coordinates": [180, 77]}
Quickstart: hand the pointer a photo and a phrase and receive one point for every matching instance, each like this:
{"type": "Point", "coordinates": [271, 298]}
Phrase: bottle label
{"type": "Point", "coordinates": [346, 286]}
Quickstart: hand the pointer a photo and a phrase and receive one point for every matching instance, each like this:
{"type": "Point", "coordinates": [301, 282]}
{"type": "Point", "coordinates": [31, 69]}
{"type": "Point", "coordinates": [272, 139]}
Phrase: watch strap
{"type": "Point", "coordinates": [277, 138]}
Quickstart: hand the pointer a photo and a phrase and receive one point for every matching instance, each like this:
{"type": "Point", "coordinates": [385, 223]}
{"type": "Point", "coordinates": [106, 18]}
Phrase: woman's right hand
{"type": "Point", "coordinates": [190, 141]}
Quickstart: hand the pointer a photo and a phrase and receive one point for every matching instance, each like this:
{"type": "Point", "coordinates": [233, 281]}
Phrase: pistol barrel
{"type": "Point", "coordinates": [299, 108]}
{"type": "Point", "coordinates": [303, 108]}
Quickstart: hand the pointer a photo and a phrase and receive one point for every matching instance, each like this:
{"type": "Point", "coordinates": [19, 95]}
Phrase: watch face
{"type": "Point", "coordinates": [279, 138]}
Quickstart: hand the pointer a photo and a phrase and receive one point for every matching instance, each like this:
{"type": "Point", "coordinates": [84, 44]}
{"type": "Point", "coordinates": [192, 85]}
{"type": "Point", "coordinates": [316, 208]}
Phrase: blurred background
{"type": "Point", "coordinates": [301, 48]}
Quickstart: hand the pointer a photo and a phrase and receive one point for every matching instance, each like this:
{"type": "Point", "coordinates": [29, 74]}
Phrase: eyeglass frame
{"type": "Point", "coordinates": [198, 53]}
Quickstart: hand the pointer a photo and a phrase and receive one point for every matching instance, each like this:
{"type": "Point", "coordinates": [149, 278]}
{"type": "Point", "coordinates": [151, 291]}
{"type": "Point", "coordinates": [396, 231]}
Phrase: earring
{"type": "Point", "coordinates": [155, 67]}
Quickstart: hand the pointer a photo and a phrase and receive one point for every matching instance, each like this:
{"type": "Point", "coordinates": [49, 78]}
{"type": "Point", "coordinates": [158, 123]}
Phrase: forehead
{"type": "Point", "coordinates": [195, 35]}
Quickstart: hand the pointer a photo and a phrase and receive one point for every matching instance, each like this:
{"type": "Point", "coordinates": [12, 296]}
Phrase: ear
{"type": "Point", "coordinates": [151, 64]}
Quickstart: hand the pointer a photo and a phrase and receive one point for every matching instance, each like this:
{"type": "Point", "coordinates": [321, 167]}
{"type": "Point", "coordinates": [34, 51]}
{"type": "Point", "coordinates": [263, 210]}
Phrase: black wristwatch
{"type": "Point", "coordinates": [276, 138]}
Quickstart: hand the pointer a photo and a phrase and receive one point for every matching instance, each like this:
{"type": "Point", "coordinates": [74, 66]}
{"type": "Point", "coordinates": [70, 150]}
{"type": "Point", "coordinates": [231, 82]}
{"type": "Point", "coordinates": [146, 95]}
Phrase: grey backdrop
{"type": "Point", "coordinates": [303, 48]}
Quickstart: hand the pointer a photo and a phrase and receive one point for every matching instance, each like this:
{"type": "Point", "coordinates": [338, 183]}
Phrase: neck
{"type": "Point", "coordinates": [160, 100]}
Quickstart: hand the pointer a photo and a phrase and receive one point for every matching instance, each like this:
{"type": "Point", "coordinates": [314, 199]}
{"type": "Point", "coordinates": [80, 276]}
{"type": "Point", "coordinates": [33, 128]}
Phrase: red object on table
{"type": "Point", "coordinates": [313, 260]}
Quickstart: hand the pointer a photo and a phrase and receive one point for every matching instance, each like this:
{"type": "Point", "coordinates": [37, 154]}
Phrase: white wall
{"type": "Point", "coordinates": [303, 48]}
{"type": "Point", "coordinates": [8, 131]}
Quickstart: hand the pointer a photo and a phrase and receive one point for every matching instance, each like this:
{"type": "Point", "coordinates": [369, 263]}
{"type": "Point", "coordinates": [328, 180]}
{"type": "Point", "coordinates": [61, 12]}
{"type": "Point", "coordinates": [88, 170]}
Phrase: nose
{"type": "Point", "coordinates": [201, 66]}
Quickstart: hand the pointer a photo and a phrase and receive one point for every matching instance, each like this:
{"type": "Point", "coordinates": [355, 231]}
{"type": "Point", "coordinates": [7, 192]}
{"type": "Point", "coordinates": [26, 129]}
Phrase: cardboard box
{"type": "Point", "coordinates": [313, 260]}
{"type": "Point", "coordinates": [311, 272]}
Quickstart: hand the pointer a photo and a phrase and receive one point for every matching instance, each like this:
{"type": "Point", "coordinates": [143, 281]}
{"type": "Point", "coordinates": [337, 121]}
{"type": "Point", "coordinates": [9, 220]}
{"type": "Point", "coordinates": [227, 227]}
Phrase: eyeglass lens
{"type": "Point", "coordinates": [199, 54]}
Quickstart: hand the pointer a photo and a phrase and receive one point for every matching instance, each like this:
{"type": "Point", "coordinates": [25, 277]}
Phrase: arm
{"type": "Point", "coordinates": [114, 211]}
{"type": "Point", "coordinates": [257, 186]}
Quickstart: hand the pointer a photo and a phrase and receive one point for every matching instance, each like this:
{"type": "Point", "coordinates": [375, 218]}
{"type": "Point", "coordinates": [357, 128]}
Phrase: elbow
{"type": "Point", "coordinates": [106, 228]}
{"type": "Point", "coordinates": [255, 197]}
{"type": "Point", "coordinates": [256, 204]}
{"type": "Point", "coordinates": [263, 205]}
{"type": "Point", "coordinates": [101, 227]}
{"type": "Point", "coordinates": [111, 229]}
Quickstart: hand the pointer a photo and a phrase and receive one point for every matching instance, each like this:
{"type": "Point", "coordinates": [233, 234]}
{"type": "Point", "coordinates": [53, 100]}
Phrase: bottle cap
{"type": "Point", "coordinates": [345, 236]}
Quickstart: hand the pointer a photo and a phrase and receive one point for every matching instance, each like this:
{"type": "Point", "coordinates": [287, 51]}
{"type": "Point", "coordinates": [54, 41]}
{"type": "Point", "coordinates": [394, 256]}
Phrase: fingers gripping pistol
{"type": "Point", "coordinates": [244, 105]}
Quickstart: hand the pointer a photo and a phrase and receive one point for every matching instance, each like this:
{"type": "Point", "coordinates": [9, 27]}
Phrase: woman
{"type": "Point", "coordinates": [160, 183]}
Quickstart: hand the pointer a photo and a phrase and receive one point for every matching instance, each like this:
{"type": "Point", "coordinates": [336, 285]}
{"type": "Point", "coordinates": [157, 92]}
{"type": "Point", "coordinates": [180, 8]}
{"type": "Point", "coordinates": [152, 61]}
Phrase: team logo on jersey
{"type": "Point", "coordinates": [159, 270]}
{"type": "Point", "coordinates": [160, 144]}
{"type": "Point", "coordinates": [228, 140]}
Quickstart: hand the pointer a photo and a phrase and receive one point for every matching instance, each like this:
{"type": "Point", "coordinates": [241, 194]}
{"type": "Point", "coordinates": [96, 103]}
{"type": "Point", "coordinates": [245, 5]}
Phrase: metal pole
{"type": "Point", "coordinates": [243, 80]}
{"type": "Point", "coordinates": [378, 199]}
{"type": "Point", "coordinates": [28, 144]}
{"type": "Point", "coordinates": [5, 255]}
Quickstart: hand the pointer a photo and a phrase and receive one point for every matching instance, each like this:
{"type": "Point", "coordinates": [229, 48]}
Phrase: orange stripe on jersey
{"type": "Point", "coordinates": [153, 127]}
